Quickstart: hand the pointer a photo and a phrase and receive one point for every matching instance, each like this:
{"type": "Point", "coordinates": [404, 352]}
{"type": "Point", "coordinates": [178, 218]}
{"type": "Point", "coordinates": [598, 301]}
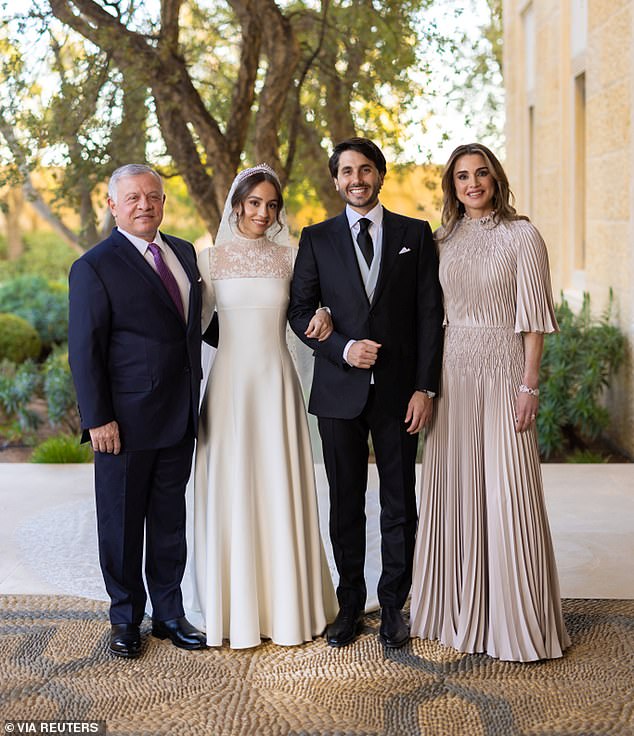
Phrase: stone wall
{"type": "Point", "coordinates": [569, 75]}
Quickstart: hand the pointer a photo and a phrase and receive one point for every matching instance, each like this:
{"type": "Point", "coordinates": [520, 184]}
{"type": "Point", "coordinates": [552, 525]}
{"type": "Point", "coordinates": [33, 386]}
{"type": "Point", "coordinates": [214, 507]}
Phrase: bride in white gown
{"type": "Point", "coordinates": [260, 568]}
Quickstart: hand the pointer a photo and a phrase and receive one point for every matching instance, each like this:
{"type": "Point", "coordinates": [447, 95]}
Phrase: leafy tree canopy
{"type": "Point", "coordinates": [201, 88]}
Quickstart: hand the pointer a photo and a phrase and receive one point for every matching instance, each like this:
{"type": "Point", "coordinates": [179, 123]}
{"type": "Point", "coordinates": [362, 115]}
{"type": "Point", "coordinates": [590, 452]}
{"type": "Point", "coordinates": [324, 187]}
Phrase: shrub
{"type": "Point", "coordinates": [47, 255]}
{"type": "Point", "coordinates": [59, 391]}
{"type": "Point", "coordinates": [577, 365]}
{"type": "Point", "coordinates": [586, 456]}
{"type": "Point", "coordinates": [64, 448]}
{"type": "Point", "coordinates": [19, 341]}
{"type": "Point", "coordinates": [18, 386]}
{"type": "Point", "coordinates": [41, 303]}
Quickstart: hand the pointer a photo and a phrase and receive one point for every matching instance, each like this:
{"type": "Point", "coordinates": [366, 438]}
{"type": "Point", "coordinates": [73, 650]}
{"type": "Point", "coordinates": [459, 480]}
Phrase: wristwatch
{"type": "Point", "coordinates": [430, 394]}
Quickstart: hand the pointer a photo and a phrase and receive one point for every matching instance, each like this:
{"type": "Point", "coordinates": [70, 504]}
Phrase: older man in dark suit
{"type": "Point", "coordinates": [134, 351]}
{"type": "Point", "coordinates": [376, 374]}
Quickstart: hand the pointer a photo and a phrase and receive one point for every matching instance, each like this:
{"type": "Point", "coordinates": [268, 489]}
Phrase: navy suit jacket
{"type": "Point", "coordinates": [132, 357]}
{"type": "Point", "coordinates": [405, 314]}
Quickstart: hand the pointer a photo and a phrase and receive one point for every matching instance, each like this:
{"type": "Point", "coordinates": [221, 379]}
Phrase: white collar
{"type": "Point", "coordinates": [141, 244]}
{"type": "Point", "coordinates": [375, 215]}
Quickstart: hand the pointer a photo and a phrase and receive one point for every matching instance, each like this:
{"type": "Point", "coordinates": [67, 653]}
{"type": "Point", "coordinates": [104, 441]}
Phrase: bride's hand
{"type": "Point", "coordinates": [320, 326]}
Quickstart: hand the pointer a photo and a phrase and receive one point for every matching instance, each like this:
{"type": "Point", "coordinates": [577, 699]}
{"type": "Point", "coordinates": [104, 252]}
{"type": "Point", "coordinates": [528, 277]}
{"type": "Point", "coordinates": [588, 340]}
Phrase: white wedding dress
{"type": "Point", "coordinates": [260, 568]}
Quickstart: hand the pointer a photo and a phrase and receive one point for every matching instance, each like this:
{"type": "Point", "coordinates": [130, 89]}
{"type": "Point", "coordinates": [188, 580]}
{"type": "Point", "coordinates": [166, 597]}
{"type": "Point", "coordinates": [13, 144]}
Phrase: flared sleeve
{"type": "Point", "coordinates": [439, 242]}
{"type": "Point", "coordinates": [209, 297]}
{"type": "Point", "coordinates": [535, 310]}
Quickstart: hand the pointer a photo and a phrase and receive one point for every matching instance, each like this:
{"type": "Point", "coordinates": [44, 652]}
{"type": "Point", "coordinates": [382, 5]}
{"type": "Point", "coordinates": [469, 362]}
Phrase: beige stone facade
{"type": "Point", "coordinates": [569, 75]}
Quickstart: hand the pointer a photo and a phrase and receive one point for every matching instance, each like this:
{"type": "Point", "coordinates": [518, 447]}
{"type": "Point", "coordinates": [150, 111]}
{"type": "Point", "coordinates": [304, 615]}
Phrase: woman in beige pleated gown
{"type": "Point", "coordinates": [485, 578]}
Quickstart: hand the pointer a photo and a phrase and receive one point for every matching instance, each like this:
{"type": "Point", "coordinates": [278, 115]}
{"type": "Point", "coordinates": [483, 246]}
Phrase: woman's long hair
{"type": "Point", "coordinates": [503, 199]}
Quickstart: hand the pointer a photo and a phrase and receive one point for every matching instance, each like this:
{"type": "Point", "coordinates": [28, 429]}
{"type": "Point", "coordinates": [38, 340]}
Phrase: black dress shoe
{"type": "Point", "coordinates": [180, 632]}
{"type": "Point", "coordinates": [344, 629]}
{"type": "Point", "coordinates": [125, 640]}
{"type": "Point", "coordinates": [393, 632]}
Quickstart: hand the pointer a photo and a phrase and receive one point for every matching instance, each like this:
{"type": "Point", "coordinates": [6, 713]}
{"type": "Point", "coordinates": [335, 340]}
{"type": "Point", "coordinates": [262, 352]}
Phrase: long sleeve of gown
{"type": "Point", "coordinates": [209, 299]}
{"type": "Point", "coordinates": [535, 310]}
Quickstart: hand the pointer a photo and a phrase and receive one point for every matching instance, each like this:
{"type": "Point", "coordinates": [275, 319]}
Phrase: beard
{"type": "Point", "coordinates": [368, 198]}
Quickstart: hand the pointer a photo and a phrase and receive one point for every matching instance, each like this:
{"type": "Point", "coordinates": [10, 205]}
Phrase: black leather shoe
{"type": "Point", "coordinates": [180, 632]}
{"type": "Point", "coordinates": [125, 640]}
{"type": "Point", "coordinates": [393, 632]}
{"type": "Point", "coordinates": [344, 629]}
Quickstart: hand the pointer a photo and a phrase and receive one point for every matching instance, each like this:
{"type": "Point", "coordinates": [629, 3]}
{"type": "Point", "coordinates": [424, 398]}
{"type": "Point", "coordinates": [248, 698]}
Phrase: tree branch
{"type": "Point", "coordinates": [166, 73]}
{"type": "Point", "coordinates": [31, 193]}
{"type": "Point", "coordinates": [295, 118]}
{"type": "Point", "coordinates": [315, 163]}
{"type": "Point", "coordinates": [282, 53]}
{"type": "Point", "coordinates": [170, 11]}
{"type": "Point", "coordinates": [203, 189]}
{"type": "Point", "coordinates": [244, 87]}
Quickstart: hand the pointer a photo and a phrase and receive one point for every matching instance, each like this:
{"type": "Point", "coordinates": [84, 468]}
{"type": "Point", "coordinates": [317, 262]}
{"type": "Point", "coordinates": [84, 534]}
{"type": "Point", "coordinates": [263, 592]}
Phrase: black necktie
{"type": "Point", "coordinates": [365, 241]}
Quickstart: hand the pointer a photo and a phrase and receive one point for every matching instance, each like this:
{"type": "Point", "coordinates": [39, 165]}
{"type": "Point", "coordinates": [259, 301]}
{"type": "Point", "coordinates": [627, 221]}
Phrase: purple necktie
{"type": "Point", "coordinates": [167, 277]}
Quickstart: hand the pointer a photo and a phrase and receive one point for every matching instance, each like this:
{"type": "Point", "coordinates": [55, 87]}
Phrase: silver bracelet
{"type": "Point", "coordinates": [524, 389]}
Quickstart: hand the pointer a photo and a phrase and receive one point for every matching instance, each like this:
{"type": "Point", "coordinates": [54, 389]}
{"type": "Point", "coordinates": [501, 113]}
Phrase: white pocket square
{"type": "Point", "coordinates": [404, 250]}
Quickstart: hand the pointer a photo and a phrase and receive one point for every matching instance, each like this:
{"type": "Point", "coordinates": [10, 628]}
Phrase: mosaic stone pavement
{"type": "Point", "coordinates": [54, 665]}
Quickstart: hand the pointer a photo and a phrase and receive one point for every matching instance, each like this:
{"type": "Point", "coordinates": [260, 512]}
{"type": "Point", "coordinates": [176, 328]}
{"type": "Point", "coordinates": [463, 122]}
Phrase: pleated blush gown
{"type": "Point", "coordinates": [485, 578]}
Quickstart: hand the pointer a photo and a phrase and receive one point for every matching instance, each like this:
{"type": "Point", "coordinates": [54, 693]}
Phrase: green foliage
{"type": "Point", "coordinates": [18, 386]}
{"type": "Point", "coordinates": [281, 85]}
{"type": "Point", "coordinates": [21, 385]}
{"type": "Point", "coordinates": [586, 456]}
{"type": "Point", "coordinates": [45, 254]}
{"type": "Point", "coordinates": [477, 82]}
{"type": "Point", "coordinates": [19, 341]}
{"type": "Point", "coordinates": [59, 391]}
{"type": "Point", "coordinates": [42, 304]}
{"type": "Point", "coordinates": [63, 448]}
{"type": "Point", "coordinates": [577, 366]}
{"type": "Point", "coordinates": [63, 100]}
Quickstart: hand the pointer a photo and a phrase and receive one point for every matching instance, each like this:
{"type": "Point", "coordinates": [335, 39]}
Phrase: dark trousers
{"type": "Point", "coordinates": [345, 443]}
{"type": "Point", "coordinates": [143, 493]}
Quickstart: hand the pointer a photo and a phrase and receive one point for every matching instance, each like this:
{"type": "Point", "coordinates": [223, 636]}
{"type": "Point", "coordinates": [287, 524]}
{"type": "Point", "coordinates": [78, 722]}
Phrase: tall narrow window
{"type": "Point", "coordinates": [578, 27]}
{"type": "Point", "coordinates": [579, 173]}
{"type": "Point", "coordinates": [528, 23]}
{"type": "Point", "coordinates": [528, 17]}
{"type": "Point", "coordinates": [531, 158]}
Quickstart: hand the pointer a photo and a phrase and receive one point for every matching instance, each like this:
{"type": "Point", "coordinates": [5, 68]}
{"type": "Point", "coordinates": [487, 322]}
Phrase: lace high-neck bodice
{"type": "Point", "coordinates": [251, 258]}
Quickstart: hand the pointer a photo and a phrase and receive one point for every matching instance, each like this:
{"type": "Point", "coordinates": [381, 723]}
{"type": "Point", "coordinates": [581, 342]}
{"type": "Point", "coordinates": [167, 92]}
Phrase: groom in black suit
{"type": "Point", "coordinates": [134, 351]}
{"type": "Point", "coordinates": [375, 375]}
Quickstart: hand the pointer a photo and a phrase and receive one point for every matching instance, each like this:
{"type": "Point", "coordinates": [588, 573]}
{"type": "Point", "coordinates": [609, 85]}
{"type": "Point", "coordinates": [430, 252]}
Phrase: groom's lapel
{"type": "Point", "coordinates": [344, 247]}
{"type": "Point", "coordinates": [392, 236]}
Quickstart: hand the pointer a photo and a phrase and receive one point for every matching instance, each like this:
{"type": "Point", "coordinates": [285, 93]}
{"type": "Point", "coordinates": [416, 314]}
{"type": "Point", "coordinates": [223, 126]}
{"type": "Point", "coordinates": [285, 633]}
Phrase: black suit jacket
{"type": "Point", "coordinates": [405, 315]}
{"type": "Point", "coordinates": [132, 357]}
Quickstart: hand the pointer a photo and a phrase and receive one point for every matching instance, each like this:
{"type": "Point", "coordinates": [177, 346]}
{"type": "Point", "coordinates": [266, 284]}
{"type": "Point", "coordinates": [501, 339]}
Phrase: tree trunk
{"type": "Point", "coordinates": [316, 164]}
{"type": "Point", "coordinates": [15, 204]}
{"type": "Point", "coordinates": [44, 211]}
{"type": "Point", "coordinates": [88, 234]}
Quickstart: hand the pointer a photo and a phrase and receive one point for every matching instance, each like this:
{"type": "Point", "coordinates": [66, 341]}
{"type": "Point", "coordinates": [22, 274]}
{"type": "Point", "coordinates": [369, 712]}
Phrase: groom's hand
{"type": "Point", "coordinates": [363, 353]}
{"type": "Point", "coordinates": [106, 438]}
{"type": "Point", "coordinates": [419, 411]}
